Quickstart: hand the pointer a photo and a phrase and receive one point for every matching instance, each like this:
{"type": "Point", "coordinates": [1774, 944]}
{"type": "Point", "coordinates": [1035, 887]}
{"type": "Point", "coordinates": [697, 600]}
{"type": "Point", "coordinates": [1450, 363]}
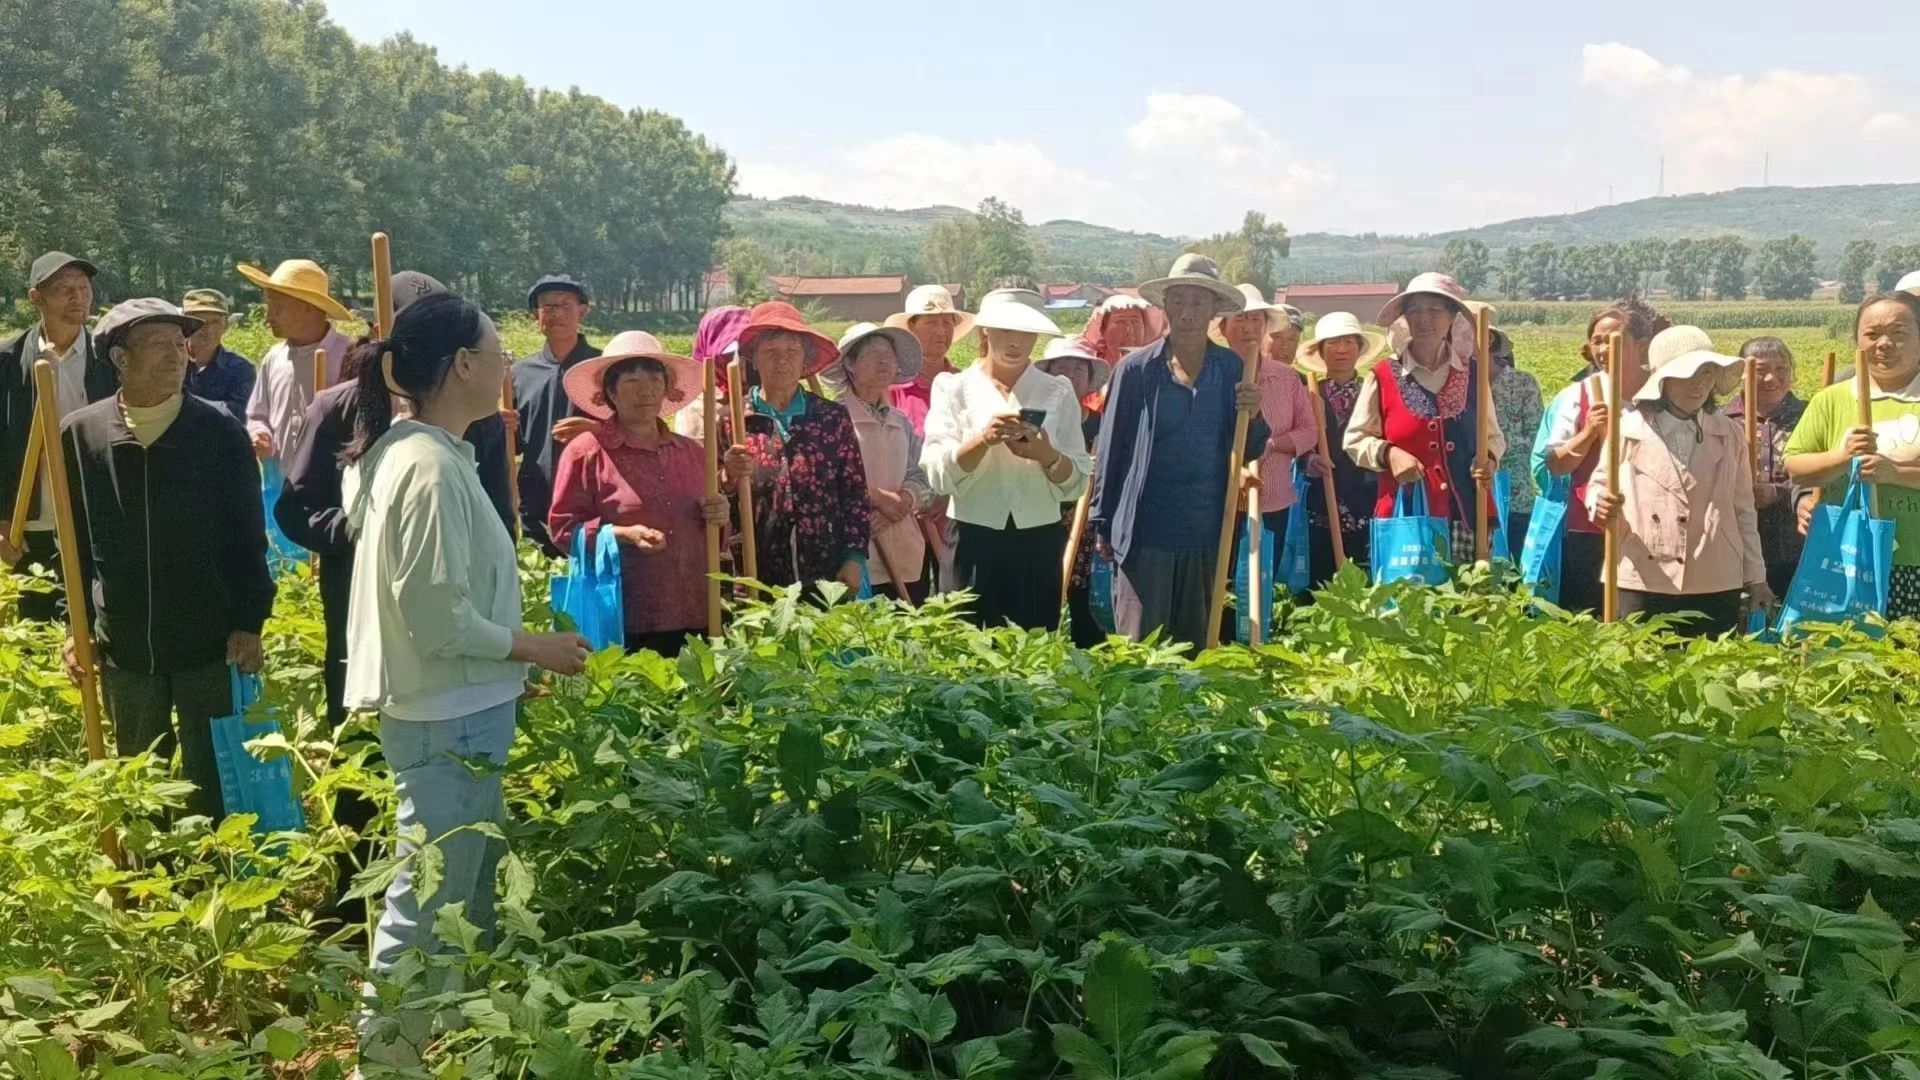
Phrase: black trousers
{"type": "Point", "coordinates": [1357, 546]}
{"type": "Point", "coordinates": [1712, 614]}
{"type": "Point", "coordinates": [351, 809]}
{"type": "Point", "coordinates": [143, 706]}
{"type": "Point", "coordinates": [667, 643]}
{"type": "Point", "coordinates": [1581, 589]}
{"type": "Point", "coordinates": [40, 601]}
{"type": "Point", "coordinates": [1014, 573]}
{"type": "Point", "coordinates": [914, 592]}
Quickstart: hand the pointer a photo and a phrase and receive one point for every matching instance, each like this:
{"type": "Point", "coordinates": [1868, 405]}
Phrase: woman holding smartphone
{"type": "Point", "coordinates": [1004, 443]}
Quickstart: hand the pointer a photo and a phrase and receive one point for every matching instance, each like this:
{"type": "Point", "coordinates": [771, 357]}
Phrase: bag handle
{"type": "Point", "coordinates": [245, 688]}
{"type": "Point", "coordinates": [606, 553]}
{"type": "Point", "coordinates": [1859, 492]}
{"type": "Point", "coordinates": [577, 551]}
{"type": "Point", "coordinates": [1411, 499]}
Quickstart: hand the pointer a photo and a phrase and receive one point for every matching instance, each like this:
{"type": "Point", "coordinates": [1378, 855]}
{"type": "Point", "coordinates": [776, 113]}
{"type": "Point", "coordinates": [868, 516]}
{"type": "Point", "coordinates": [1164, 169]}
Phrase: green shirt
{"type": "Point", "coordinates": [1896, 421]}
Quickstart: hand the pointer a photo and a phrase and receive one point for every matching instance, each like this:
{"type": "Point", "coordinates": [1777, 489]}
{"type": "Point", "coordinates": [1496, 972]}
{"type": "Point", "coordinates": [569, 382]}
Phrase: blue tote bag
{"type": "Point", "coordinates": [589, 592]}
{"type": "Point", "coordinates": [282, 553]}
{"type": "Point", "coordinates": [1498, 550]}
{"type": "Point", "coordinates": [249, 785]}
{"type": "Point", "coordinates": [1412, 544]}
{"type": "Point", "coordinates": [1296, 552]}
{"type": "Point", "coordinates": [1242, 603]}
{"type": "Point", "coordinates": [1540, 552]}
{"type": "Point", "coordinates": [1845, 565]}
{"type": "Point", "coordinates": [1100, 594]}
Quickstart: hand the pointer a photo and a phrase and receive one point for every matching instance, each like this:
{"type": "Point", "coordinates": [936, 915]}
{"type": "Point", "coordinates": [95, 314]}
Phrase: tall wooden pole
{"type": "Point", "coordinates": [737, 408]}
{"type": "Point", "coordinates": [13, 543]}
{"type": "Point", "coordinates": [1826, 370]}
{"type": "Point", "coordinates": [1326, 485]}
{"type": "Point", "coordinates": [79, 626]}
{"type": "Point", "coordinates": [1750, 401]}
{"type": "Point", "coordinates": [319, 371]}
{"type": "Point", "coordinates": [513, 463]}
{"type": "Point", "coordinates": [1257, 598]}
{"type": "Point", "coordinates": [1223, 550]}
{"type": "Point", "coordinates": [382, 286]}
{"type": "Point", "coordinates": [1076, 535]}
{"type": "Point", "coordinates": [1616, 392]}
{"type": "Point", "coordinates": [712, 431]}
{"type": "Point", "coordinates": [1863, 406]}
{"type": "Point", "coordinates": [1483, 418]}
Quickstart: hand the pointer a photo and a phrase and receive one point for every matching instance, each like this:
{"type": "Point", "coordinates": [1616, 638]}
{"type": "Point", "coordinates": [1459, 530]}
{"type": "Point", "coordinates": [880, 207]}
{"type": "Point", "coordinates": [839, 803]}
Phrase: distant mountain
{"type": "Point", "coordinates": [855, 239]}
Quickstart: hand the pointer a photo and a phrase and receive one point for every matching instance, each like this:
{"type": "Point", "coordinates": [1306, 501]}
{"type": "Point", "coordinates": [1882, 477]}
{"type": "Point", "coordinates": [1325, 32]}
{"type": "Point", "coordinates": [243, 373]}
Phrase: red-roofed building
{"type": "Point", "coordinates": [1073, 295]}
{"type": "Point", "coordinates": [852, 299]}
{"type": "Point", "coordinates": [1363, 299]}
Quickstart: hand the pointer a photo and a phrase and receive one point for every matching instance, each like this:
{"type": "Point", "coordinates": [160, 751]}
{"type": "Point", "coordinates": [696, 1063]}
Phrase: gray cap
{"type": "Point", "coordinates": [127, 314]}
{"type": "Point", "coordinates": [411, 285]}
{"type": "Point", "coordinates": [53, 262]}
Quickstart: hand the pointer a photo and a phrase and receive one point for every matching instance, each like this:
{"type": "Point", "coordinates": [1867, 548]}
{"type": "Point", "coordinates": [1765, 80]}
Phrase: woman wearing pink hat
{"type": "Point", "coordinates": [1417, 418]}
{"type": "Point", "coordinates": [810, 509]}
{"type": "Point", "coordinates": [631, 471]}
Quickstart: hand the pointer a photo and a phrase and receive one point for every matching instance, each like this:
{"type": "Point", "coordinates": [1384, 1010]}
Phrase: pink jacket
{"type": "Point", "coordinates": [1288, 411]}
{"type": "Point", "coordinates": [1686, 530]}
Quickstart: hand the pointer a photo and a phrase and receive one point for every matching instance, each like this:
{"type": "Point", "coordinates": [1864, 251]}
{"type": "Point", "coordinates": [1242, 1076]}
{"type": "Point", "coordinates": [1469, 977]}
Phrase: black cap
{"type": "Point", "coordinates": [556, 281]}
{"type": "Point", "coordinates": [53, 262]}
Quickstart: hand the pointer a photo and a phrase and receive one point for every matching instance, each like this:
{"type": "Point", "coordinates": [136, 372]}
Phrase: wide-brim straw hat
{"type": "Point", "coordinates": [1430, 284]}
{"type": "Point", "coordinates": [1339, 324]}
{"type": "Point", "coordinates": [301, 279]}
{"type": "Point", "coordinates": [931, 300]}
{"type": "Point", "coordinates": [1073, 348]}
{"type": "Point", "coordinates": [1252, 299]}
{"type": "Point", "coordinates": [582, 380]}
{"type": "Point", "coordinates": [1909, 284]}
{"type": "Point", "coordinates": [778, 316]}
{"type": "Point", "coordinates": [1014, 316]}
{"type": "Point", "coordinates": [1199, 271]}
{"type": "Point", "coordinates": [1681, 352]}
{"type": "Point", "coordinates": [906, 348]}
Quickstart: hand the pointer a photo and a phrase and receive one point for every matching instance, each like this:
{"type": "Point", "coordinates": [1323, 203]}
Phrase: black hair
{"type": "Point", "coordinates": [425, 338]}
{"type": "Point", "coordinates": [1905, 299]}
{"type": "Point", "coordinates": [1765, 348]}
{"type": "Point", "coordinates": [620, 369]}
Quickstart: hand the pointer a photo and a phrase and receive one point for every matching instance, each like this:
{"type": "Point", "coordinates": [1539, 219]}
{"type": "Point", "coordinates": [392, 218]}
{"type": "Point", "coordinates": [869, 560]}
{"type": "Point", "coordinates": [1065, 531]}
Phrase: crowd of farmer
{"type": "Point", "coordinates": [1049, 463]}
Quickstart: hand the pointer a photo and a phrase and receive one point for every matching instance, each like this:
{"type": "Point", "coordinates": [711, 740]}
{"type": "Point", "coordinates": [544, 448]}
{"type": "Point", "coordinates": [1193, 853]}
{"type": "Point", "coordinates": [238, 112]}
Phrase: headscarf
{"type": "Point", "coordinates": [719, 330]}
{"type": "Point", "coordinates": [1095, 337]}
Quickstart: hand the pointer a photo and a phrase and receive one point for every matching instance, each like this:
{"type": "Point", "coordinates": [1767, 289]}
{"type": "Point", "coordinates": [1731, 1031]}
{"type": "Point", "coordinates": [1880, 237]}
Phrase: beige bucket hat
{"type": "Point", "coordinates": [1194, 269]}
{"type": "Point", "coordinates": [1681, 352]}
{"type": "Point", "coordinates": [1339, 324]}
{"type": "Point", "coordinates": [932, 300]}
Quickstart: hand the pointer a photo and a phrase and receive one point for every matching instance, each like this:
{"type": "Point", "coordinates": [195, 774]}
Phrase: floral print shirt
{"type": "Point", "coordinates": [810, 512]}
{"type": "Point", "coordinates": [1517, 407]}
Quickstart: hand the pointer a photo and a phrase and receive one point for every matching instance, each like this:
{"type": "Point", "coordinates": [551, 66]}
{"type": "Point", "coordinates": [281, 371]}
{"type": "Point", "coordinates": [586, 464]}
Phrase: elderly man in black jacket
{"type": "Point", "coordinates": [171, 543]}
{"type": "Point", "coordinates": [61, 290]}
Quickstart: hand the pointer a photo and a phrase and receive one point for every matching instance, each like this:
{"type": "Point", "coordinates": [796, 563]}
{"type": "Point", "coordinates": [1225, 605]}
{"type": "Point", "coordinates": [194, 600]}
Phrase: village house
{"type": "Point", "coordinates": [1363, 299]}
{"type": "Point", "coordinates": [845, 299]}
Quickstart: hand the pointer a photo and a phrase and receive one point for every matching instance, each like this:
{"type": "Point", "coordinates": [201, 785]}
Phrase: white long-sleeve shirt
{"type": "Point", "coordinates": [1002, 485]}
{"type": "Point", "coordinates": [435, 597]}
{"type": "Point", "coordinates": [284, 389]}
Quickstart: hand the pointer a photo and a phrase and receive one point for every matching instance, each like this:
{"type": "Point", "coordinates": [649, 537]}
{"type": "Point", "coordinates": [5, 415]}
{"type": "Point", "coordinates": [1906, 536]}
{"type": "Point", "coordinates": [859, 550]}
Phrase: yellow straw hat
{"type": "Point", "coordinates": [301, 279]}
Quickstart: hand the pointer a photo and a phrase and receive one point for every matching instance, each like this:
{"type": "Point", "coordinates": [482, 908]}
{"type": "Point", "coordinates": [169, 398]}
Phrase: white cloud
{"type": "Point", "coordinates": [1622, 67]}
{"type": "Point", "coordinates": [1204, 142]}
{"type": "Point", "coordinates": [1715, 130]}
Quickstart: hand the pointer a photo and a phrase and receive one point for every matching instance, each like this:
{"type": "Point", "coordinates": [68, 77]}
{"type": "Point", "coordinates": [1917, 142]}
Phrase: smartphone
{"type": "Point", "coordinates": [1034, 418]}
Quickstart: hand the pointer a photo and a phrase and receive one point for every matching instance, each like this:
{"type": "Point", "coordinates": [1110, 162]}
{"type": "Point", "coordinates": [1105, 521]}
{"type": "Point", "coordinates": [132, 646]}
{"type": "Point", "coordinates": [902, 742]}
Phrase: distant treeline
{"type": "Point", "coordinates": [167, 141]}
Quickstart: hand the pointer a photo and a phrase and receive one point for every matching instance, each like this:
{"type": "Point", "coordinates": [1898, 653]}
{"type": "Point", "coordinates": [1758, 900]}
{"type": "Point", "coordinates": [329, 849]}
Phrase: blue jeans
{"type": "Point", "coordinates": [437, 791]}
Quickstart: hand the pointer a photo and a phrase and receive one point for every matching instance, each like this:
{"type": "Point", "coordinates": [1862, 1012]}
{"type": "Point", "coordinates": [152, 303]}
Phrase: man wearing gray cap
{"type": "Point", "coordinates": [61, 290]}
{"type": "Point", "coordinates": [217, 374]}
{"type": "Point", "coordinates": [170, 542]}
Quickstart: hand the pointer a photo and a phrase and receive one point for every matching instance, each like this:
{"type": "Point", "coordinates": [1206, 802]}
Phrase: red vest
{"type": "Point", "coordinates": [1578, 520]}
{"type": "Point", "coordinates": [1445, 449]}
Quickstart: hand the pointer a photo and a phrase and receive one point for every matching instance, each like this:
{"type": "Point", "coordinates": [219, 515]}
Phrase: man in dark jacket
{"type": "Point", "coordinates": [217, 374]}
{"type": "Point", "coordinates": [61, 290]}
{"type": "Point", "coordinates": [171, 543]}
{"type": "Point", "coordinates": [559, 305]}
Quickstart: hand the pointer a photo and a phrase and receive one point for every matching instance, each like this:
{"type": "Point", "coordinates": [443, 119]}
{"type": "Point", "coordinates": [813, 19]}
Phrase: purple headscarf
{"type": "Point", "coordinates": [719, 330]}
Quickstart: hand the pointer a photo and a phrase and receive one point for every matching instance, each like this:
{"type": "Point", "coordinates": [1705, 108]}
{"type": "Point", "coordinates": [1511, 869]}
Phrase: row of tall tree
{"type": "Point", "coordinates": [169, 141]}
{"type": "Point", "coordinates": [1784, 268]}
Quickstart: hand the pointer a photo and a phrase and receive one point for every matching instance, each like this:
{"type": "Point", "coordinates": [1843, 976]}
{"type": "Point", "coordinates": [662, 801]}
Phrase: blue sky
{"type": "Point", "coordinates": [1387, 116]}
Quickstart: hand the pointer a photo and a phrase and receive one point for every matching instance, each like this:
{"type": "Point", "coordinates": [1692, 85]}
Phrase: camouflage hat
{"type": "Point", "coordinates": [53, 262]}
{"type": "Point", "coordinates": [206, 302]}
{"type": "Point", "coordinates": [127, 314]}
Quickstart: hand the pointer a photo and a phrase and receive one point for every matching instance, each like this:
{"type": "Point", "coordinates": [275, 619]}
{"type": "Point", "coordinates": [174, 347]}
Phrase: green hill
{"type": "Point", "coordinates": [814, 236]}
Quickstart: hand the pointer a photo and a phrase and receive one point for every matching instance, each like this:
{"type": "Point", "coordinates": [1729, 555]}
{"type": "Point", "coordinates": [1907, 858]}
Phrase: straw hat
{"type": "Point", "coordinates": [1252, 299]}
{"type": "Point", "coordinates": [1441, 285]}
{"type": "Point", "coordinates": [1028, 297]}
{"type": "Point", "coordinates": [1073, 348]}
{"type": "Point", "coordinates": [1194, 269]}
{"type": "Point", "coordinates": [905, 346]}
{"type": "Point", "coordinates": [778, 316]}
{"type": "Point", "coordinates": [582, 380]}
{"type": "Point", "coordinates": [301, 279]}
{"type": "Point", "coordinates": [1002, 314]}
{"type": "Point", "coordinates": [1339, 324]}
{"type": "Point", "coordinates": [932, 300]}
{"type": "Point", "coordinates": [1681, 352]}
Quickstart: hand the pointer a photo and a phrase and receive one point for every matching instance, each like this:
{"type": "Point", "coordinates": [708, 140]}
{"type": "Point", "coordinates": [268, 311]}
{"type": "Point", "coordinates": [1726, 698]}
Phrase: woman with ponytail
{"type": "Point", "coordinates": [434, 639]}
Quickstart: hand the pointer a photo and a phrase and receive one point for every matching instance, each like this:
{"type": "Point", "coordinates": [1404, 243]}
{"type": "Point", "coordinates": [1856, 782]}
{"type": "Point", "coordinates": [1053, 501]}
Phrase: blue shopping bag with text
{"type": "Point", "coordinates": [249, 785]}
{"type": "Point", "coordinates": [588, 594]}
{"type": "Point", "coordinates": [1242, 603]}
{"type": "Point", "coordinates": [1846, 565]}
{"type": "Point", "coordinates": [1498, 550]}
{"type": "Point", "coordinates": [1540, 552]}
{"type": "Point", "coordinates": [1100, 594]}
{"type": "Point", "coordinates": [1411, 544]}
{"type": "Point", "coordinates": [1296, 551]}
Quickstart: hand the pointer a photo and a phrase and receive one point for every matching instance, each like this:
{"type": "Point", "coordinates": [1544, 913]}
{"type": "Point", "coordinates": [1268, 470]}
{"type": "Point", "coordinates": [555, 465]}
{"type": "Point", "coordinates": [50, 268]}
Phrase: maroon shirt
{"type": "Point", "coordinates": [604, 477]}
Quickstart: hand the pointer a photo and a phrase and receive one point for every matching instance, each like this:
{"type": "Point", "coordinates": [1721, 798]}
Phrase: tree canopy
{"type": "Point", "coordinates": [169, 141]}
